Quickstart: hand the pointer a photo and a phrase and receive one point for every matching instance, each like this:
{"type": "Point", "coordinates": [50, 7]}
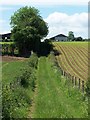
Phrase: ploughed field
{"type": "Point", "coordinates": [73, 58]}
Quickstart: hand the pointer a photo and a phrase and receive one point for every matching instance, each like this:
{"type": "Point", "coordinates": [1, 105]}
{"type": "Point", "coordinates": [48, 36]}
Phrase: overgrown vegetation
{"type": "Point", "coordinates": [17, 95]}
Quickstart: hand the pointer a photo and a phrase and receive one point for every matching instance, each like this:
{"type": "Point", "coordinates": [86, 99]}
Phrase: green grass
{"type": "Point", "coordinates": [10, 70]}
{"type": "Point", "coordinates": [6, 43]}
{"type": "Point", "coordinates": [54, 98]}
{"type": "Point", "coordinates": [20, 99]}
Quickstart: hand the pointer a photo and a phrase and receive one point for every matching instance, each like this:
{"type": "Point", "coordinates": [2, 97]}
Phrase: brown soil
{"type": "Point", "coordinates": [11, 58]}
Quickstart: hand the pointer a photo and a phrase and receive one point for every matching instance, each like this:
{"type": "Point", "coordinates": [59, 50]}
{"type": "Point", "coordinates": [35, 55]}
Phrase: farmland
{"type": "Point", "coordinates": [73, 58]}
{"type": "Point", "coordinates": [53, 97]}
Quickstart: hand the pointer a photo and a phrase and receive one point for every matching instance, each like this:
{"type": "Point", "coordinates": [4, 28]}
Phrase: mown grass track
{"type": "Point", "coordinates": [73, 58]}
{"type": "Point", "coordinates": [54, 99]}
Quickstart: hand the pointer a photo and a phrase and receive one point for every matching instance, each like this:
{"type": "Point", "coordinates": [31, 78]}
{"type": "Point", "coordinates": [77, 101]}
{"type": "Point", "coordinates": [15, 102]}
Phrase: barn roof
{"type": "Point", "coordinates": [59, 35]}
{"type": "Point", "coordinates": [6, 35]}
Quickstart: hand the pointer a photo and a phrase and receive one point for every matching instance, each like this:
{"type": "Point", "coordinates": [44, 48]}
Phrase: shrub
{"type": "Point", "coordinates": [16, 99]}
{"type": "Point", "coordinates": [33, 61]}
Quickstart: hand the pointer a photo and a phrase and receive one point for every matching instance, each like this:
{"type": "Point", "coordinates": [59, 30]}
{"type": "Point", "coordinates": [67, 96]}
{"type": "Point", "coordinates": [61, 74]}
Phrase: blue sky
{"type": "Point", "coordinates": [65, 17]}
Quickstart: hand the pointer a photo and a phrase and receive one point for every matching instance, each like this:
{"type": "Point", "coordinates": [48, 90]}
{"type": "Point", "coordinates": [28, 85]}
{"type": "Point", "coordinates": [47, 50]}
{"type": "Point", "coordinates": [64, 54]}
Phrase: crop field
{"type": "Point", "coordinates": [73, 58]}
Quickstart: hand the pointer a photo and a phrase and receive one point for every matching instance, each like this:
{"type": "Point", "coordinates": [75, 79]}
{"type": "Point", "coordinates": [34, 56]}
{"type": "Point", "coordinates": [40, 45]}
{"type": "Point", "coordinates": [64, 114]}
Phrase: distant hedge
{"type": "Point", "coordinates": [8, 48]}
{"type": "Point", "coordinates": [8, 43]}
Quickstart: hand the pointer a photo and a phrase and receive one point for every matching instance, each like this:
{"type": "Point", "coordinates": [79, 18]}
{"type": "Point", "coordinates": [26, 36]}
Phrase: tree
{"type": "Point", "coordinates": [28, 28]}
{"type": "Point", "coordinates": [79, 39]}
{"type": "Point", "coordinates": [70, 36]}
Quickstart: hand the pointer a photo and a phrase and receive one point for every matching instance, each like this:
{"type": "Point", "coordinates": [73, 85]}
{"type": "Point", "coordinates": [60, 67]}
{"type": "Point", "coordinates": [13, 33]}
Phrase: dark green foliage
{"type": "Point", "coordinates": [78, 39]}
{"type": "Point", "coordinates": [45, 48]}
{"type": "Point", "coordinates": [8, 48]}
{"type": "Point", "coordinates": [28, 28]}
{"type": "Point", "coordinates": [16, 97]}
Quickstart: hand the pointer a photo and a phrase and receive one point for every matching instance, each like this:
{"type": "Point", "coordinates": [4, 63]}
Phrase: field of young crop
{"type": "Point", "coordinates": [73, 58]}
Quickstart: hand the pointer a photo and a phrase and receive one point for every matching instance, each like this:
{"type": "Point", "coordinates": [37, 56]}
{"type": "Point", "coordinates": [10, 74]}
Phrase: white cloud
{"type": "Point", "coordinates": [42, 2]}
{"type": "Point", "coordinates": [63, 23]}
{"type": "Point", "coordinates": [4, 27]}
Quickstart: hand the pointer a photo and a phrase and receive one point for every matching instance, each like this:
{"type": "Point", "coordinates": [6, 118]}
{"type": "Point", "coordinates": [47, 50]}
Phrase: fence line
{"type": "Point", "coordinates": [74, 80]}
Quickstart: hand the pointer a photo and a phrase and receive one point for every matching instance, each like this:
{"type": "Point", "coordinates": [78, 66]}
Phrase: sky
{"type": "Point", "coordinates": [62, 16]}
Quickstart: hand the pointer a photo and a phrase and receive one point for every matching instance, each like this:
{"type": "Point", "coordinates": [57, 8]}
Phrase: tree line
{"type": "Point", "coordinates": [71, 37]}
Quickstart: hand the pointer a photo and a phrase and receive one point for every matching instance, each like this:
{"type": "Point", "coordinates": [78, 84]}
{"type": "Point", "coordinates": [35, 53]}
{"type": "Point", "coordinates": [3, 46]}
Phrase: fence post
{"type": "Point", "coordinates": [83, 86]}
{"type": "Point", "coordinates": [70, 76]}
{"type": "Point", "coordinates": [75, 81]}
{"type": "Point", "coordinates": [67, 76]}
{"type": "Point", "coordinates": [72, 80]}
{"type": "Point", "coordinates": [79, 83]}
{"type": "Point", "coordinates": [61, 72]}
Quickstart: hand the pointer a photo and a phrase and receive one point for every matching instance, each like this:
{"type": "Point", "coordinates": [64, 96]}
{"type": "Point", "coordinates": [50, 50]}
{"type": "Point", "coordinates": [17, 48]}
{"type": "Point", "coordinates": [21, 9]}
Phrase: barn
{"type": "Point", "coordinates": [60, 37]}
{"type": "Point", "coordinates": [5, 37]}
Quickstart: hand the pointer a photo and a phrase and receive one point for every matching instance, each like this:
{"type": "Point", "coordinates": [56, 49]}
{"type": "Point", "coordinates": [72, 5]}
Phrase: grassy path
{"type": "Point", "coordinates": [52, 99]}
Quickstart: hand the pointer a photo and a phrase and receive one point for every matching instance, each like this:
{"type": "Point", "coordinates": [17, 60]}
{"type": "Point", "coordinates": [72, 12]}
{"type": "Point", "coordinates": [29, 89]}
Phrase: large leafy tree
{"type": "Point", "coordinates": [28, 28]}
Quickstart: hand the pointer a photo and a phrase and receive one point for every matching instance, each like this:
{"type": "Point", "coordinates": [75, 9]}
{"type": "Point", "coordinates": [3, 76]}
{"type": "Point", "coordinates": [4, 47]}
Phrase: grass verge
{"type": "Point", "coordinates": [55, 98]}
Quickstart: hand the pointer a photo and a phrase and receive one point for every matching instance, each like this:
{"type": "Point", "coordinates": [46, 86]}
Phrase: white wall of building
{"type": "Point", "coordinates": [60, 38]}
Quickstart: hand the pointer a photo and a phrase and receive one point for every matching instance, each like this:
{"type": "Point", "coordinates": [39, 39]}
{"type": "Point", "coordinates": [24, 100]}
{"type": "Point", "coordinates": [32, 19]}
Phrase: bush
{"type": "Point", "coordinates": [33, 61]}
{"type": "Point", "coordinates": [18, 97]}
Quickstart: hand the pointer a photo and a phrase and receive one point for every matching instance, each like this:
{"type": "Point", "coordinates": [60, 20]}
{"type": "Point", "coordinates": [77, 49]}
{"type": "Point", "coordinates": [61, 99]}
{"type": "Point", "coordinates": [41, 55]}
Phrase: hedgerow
{"type": "Point", "coordinates": [16, 97]}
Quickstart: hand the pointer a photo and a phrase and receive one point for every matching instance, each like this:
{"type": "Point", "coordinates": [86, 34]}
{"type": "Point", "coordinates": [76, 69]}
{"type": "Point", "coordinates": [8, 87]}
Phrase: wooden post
{"type": "Point", "coordinates": [70, 76]}
{"type": "Point", "coordinates": [75, 81]}
{"type": "Point", "coordinates": [83, 86]}
{"type": "Point", "coordinates": [72, 80]}
{"type": "Point", "coordinates": [79, 83]}
{"type": "Point", "coordinates": [66, 75]}
{"type": "Point", "coordinates": [61, 72]}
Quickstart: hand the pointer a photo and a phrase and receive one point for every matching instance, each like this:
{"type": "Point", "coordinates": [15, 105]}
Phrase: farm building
{"type": "Point", "coordinates": [59, 37]}
{"type": "Point", "coordinates": [5, 37]}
